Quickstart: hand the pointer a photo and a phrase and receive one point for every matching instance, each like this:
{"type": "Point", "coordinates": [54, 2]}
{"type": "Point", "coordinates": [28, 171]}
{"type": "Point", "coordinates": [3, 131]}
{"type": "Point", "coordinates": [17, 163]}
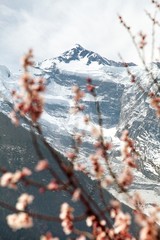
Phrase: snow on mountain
{"type": "Point", "coordinates": [5, 83]}
{"type": "Point", "coordinates": [122, 104]}
{"type": "Point", "coordinates": [89, 57]}
{"type": "Point", "coordinates": [81, 60]}
{"type": "Point", "coordinates": [4, 71]}
{"type": "Point", "coordinates": [140, 119]}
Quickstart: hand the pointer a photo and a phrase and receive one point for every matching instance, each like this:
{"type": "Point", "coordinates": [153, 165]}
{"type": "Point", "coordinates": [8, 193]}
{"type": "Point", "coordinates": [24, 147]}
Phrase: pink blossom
{"type": "Point", "coordinates": [108, 180]}
{"type": "Point", "coordinates": [142, 42]}
{"type": "Point", "coordinates": [48, 236]}
{"type": "Point", "coordinates": [155, 103]}
{"type": "Point", "coordinates": [76, 195]}
{"type": "Point", "coordinates": [126, 177]}
{"type": "Point", "coordinates": [90, 220]}
{"type": "Point", "coordinates": [67, 218]}
{"type": "Point", "coordinates": [29, 100]}
{"type": "Point", "coordinates": [149, 228]}
{"type": "Point", "coordinates": [149, 232]}
{"type": "Point", "coordinates": [14, 118]}
{"type": "Point", "coordinates": [78, 93]}
{"type": "Point", "coordinates": [23, 201]}
{"type": "Point", "coordinates": [52, 185]}
{"type": "Point", "coordinates": [7, 180]}
{"type": "Point", "coordinates": [97, 166]}
{"type": "Point", "coordinates": [90, 87]}
{"type": "Point", "coordinates": [86, 119]}
{"type": "Point", "coordinates": [122, 222]}
{"type": "Point", "coordinates": [128, 151]}
{"type": "Point", "coordinates": [42, 165]}
{"type": "Point", "coordinates": [19, 220]}
{"type": "Point", "coordinates": [11, 179]}
{"type": "Point", "coordinates": [79, 167]}
{"type": "Point", "coordinates": [95, 132]}
{"type": "Point", "coordinates": [26, 171]}
{"type": "Point", "coordinates": [17, 176]}
{"type": "Point", "coordinates": [71, 155]}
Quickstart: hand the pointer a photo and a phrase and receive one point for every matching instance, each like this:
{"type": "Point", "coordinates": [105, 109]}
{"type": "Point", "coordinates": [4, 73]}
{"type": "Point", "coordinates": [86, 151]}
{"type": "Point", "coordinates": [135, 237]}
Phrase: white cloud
{"type": "Point", "coordinates": [53, 26]}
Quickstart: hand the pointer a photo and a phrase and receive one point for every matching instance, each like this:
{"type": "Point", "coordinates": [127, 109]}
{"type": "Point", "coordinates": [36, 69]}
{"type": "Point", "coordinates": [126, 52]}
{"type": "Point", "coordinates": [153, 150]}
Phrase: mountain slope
{"type": "Point", "coordinates": [122, 104]}
{"type": "Point", "coordinates": [18, 153]}
{"type": "Point", "coordinates": [140, 119]}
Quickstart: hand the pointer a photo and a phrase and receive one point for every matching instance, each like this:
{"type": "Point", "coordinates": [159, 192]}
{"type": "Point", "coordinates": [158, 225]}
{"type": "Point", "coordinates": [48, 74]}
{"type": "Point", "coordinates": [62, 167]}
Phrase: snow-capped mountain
{"type": "Point", "coordinates": [122, 104]}
{"type": "Point", "coordinates": [79, 53]}
{"type": "Point", "coordinates": [79, 57]}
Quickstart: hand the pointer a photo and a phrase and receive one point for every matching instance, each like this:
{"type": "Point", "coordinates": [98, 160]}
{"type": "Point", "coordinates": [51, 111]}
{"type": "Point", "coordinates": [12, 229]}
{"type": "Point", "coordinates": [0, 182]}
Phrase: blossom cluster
{"type": "Point", "coordinates": [149, 228]}
{"type": "Point", "coordinates": [67, 218]}
{"type": "Point", "coordinates": [78, 95]}
{"type": "Point", "coordinates": [23, 201]}
{"type": "Point", "coordinates": [21, 219]}
{"type": "Point", "coordinates": [129, 156]}
{"type": "Point", "coordinates": [100, 232]}
{"type": "Point", "coordinates": [142, 42]}
{"type": "Point", "coordinates": [28, 101]}
{"type": "Point", "coordinates": [10, 180]}
{"type": "Point", "coordinates": [122, 222]}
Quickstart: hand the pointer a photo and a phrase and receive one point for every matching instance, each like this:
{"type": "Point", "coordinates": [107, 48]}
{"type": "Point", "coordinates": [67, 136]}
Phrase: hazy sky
{"type": "Point", "coordinates": [53, 26]}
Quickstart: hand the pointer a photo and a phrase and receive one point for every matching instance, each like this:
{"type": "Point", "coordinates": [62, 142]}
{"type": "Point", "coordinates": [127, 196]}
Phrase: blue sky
{"type": "Point", "coordinates": [53, 26]}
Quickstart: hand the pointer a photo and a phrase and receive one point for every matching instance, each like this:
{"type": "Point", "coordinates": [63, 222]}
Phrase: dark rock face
{"type": "Point", "coordinates": [17, 151]}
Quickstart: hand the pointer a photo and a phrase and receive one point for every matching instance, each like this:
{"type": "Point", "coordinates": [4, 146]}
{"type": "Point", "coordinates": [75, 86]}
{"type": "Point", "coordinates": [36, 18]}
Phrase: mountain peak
{"type": "Point", "coordinates": [82, 56]}
{"type": "Point", "coordinates": [78, 53]}
{"type": "Point", "coordinates": [78, 46]}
